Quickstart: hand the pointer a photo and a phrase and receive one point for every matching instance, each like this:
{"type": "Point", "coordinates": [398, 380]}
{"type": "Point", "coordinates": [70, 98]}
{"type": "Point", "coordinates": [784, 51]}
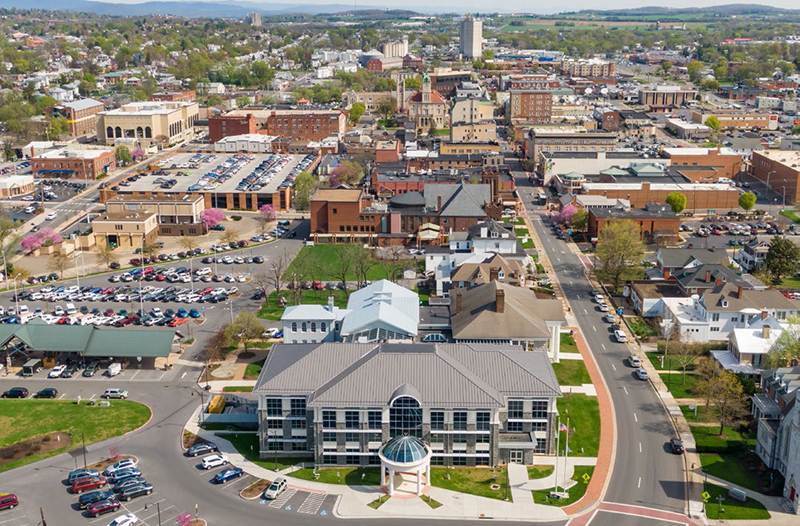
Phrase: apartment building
{"type": "Point", "coordinates": [471, 37]}
{"type": "Point", "coordinates": [81, 115]}
{"type": "Point", "coordinates": [534, 106]}
{"type": "Point", "coordinates": [470, 404]}
{"type": "Point", "coordinates": [174, 96]}
{"type": "Point", "coordinates": [592, 68]}
{"type": "Point", "coordinates": [313, 125]}
{"type": "Point", "coordinates": [221, 126]}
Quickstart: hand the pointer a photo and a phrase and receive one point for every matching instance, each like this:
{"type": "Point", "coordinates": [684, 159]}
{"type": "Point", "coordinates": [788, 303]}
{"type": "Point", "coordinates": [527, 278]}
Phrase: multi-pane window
{"type": "Point", "coordinates": [298, 407]}
{"type": "Point", "coordinates": [539, 426]}
{"type": "Point", "coordinates": [351, 419]}
{"type": "Point", "coordinates": [329, 437]}
{"type": "Point", "coordinates": [437, 438]}
{"type": "Point", "coordinates": [274, 407]}
{"type": "Point", "coordinates": [437, 419]}
{"type": "Point", "coordinates": [274, 446]}
{"type": "Point", "coordinates": [351, 437]}
{"type": "Point", "coordinates": [274, 424]}
{"type": "Point", "coordinates": [482, 439]}
{"type": "Point", "coordinates": [459, 438]}
{"type": "Point", "coordinates": [482, 420]}
{"type": "Point", "coordinates": [374, 437]}
{"type": "Point", "coordinates": [515, 409]}
{"type": "Point", "coordinates": [514, 427]}
{"type": "Point", "coordinates": [460, 420]}
{"type": "Point", "coordinates": [459, 461]}
{"type": "Point", "coordinates": [539, 409]}
{"type": "Point", "coordinates": [298, 446]}
{"type": "Point", "coordinates": [374, 418]}
{"type": "Point", "coordinates": [405, 417]}
{"type": "Point", "coordinates": [328, 419]}
{"type": "Point", "coordinates": [298, 424]}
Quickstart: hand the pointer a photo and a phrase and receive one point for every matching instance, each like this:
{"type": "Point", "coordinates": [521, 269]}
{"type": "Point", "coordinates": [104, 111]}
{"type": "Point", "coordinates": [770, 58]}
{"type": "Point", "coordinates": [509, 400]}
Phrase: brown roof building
{"type": "Point", "coordinates": [496, 268]}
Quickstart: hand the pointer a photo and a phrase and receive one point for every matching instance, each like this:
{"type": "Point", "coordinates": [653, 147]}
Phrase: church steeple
{"type": "Point", "coordinates": [426, 88]}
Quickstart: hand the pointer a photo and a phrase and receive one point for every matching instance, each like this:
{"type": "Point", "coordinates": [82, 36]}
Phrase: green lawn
{"type": "Point", "coordinates": [640, 327]}
{"type": "Point", "coordinates": [443, 131]}
{"type": "Point", "coordinates": [733, 509]}
{"type": "Point", "coordinates": [26, 419]}
{"type": "Point", "coordinates": [575, 492]}
{"type": "Point", "coordinates": [709, 440]}
{"type": "Point", "coordinates": [728, 467]}
{"type": "Point", "coordinates": [654, 358]}
{"type": "Point", "coordinates": [237, 389]}
{"type": "Point", "coordinates": [704, 415]}
{"type": "Point", "coordinates": [571, 372]}
{"type": "Point", "coordinates": [323, 259]}
{"type": "Point", "coordinates": [252, 370]}
{"type": "Point", "coordinates": [584, 417]}
{"type": "Point", "coordinates": [528, 244]}
{"type": "Point", "coordinates": [540, 473]}
{"type": "Point", "coordinates": [678, 390]}
{"type": "Point", "coordinates": [247, 446]}
{"type": "Point", "coordinates": [271, 310]}
{"type": "Point", "coordinates": [521, 232]}
{"type": "Point", "coordinates": [475, 481]}
{"type": "Point", "coordinates": [568, 344]}
{"type": "Point", "coordinates": [424, 295]}
{"type": "Point", "coordinates": [349, 476]}
{"type": "Point", "coordinates": [791, 215]}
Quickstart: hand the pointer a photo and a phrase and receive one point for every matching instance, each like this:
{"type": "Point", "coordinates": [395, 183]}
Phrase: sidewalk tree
{"type": "Point", "coordinates": [619, 249]}
{"type": "Point", "coordinates": [123, 154]}
{"type": "Point", "coordinates": [729, 398]}
{"type": "Point", "coordinates": [188, 243]}
{"type": "Point", "coordinates": [747, 201]}
{"type": "Point", "coordinates": [211, 217]}
{"type": "Point", "coordinates": [676, 201]}
{"type": "Point", "coordinates": [230, 236]}
{"type": "Point", "coordinates": [150, 250]}
{"type": "Point", "coordinates": [274, 276]}
{"type": "Point", "coordinates": [707, 371]}
{"type": "Point", "coordinates": [304, 185]}
{"type": "Point", "coordinates": [58, 262]}
{"type": "Point", "coordinates": [106, 254]}
{"type": "Point", "coordinates": [782, 258]}
{"type": "Point", "coordinates": [566, 213]}
{"type": "Point", "coordinates": [245, 329]}
{"type": "Point", "coordinates": [266, 214]}
{"type": "Point", "coordinates": [356, 111]}
{"type": "Point", "coordinates": [386, 105]}
{"type": "Point", "coordinates": [580, 220]}
{"type": "Point", "coordinates": [682, 354]}
{"type": "Point", "coordinates": [297, 272]}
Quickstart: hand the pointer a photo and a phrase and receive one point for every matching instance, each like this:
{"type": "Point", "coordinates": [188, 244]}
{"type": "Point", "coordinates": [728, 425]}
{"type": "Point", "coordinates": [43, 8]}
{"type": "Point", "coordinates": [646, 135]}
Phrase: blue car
{"type": "Point", "coordinates": [279, 334]}
{"type": "Point", "coordinates": [182, 313]}
{"type": "Point", "coordinates": [227, 474]}
{"type": "Point", "coordinates": [87, 499]}
{"type": "Point", "coordinates": [194, 313]}
{"type": "Point", "coordinates": [119, 476]}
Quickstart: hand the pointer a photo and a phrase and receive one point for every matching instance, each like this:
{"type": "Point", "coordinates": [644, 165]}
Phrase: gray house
{"type": "Point", "coordinates": [472, 404]}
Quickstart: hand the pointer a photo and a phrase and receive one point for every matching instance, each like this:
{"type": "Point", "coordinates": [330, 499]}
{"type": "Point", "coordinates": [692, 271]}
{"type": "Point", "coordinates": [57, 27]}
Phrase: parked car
{"type": "Point", "coordinates": [8, 501]}
{"type": "Point", "coordinates": [88, 483]}
{"type": "Point", "coordinates": [676, 444]}
{"type": "Point", "coordinates": [228, 474]}
{"type": "Point", "coordinates": [125, 463]}
{"type": "Point", "coordinates": [122, 394]}
{"type": "Point", "coordinates": [634, 361]}
{"type": "Point", "coordinates": [104, 506]}
{"type": "Point", "coordinates": [277, 487]}
{"type": "Point", "coordinates": [214, 461]}
{"type": "Point", "coordinates": [609, 318]}
{"type": "Point", "coordinates": [138, 490]}
{"type": "Point", "coordinates": [16, 392]}
{"type": "Point", "coordinates": [620, 336]}
{"type": "Point", "coordinates": [641, 374]}
{"type": "Point", "coordinates": [87, 499]}
{"type": "Point", "coordinates": [56, 371]}
{"type": "Point", "coordinates": [123, 474]}
{"type": "Point", "coordinates": [130, 481]}
{"type": "Point", "coordinates": [129, 519]}
{"type": "Point", "coordinates": [201, 448]}
{"type": "Point", "coordinates": [47, 392]}
{"type": "Point", "coordinates": [78, 473]}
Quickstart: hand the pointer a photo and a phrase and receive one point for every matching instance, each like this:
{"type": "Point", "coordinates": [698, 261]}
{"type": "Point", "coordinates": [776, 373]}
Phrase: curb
{"type": "Point", "coordinates": [254, 482]}
{"type": "Point", "coordinates": [143, 425]}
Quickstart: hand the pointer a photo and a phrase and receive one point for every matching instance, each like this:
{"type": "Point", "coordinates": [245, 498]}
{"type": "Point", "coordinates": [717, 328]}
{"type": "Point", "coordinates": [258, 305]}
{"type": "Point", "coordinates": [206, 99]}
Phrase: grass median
{"type": "Point", "coordinates": [25, 420]}
{"type": "Point", "coordinates": [571, 372]}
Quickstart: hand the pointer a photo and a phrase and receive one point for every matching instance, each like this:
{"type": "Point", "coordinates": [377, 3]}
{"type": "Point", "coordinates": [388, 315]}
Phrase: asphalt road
{"type": "Point", "coordinates": [644, 472]}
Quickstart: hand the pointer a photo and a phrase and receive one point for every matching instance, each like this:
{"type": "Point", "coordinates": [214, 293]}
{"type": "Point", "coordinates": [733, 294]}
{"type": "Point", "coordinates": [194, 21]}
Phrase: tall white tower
{"type": "Point", "coordinates": [471, 37]}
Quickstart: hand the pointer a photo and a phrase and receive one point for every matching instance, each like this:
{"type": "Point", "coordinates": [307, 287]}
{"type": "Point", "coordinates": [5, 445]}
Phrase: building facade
{"type": "Point", "coordinates": [148, 123]}
{"type": "Point", "coordinates": [662, 98]}
{"type": "Point", "coordinates": [470, 37]}
{"type": "Point", "coordinates": [427, 106]}
{"type": "Point", "coordinates": [474, 405]}
{"type": "Point", "coordinates": [780, 170]}
{"type": "Point", "coordinates": [568, 139]}
{"type": "Point", "coordinates": [69, 162]}
{"type": "Point", "coordinates": [81, 115]}
{"type": "Point", "coordinates": [222, 126]}
{"type": "Point", "coordinates": [530, 106]}
{"type": "Point", "coordinates": [313, 125]}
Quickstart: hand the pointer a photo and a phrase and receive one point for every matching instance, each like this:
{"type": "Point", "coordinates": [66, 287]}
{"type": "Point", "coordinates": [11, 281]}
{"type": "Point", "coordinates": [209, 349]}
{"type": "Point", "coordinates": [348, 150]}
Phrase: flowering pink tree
{"type": "Point", "coordinates": [267, 212]}
{"type": "Point", "coordinates": [211, 217]}
{"type": "Point", "coordinates": [565, 216]}
{"type": "Point", "coordinates": [30, 243]}
{"type": "Point", "coordinates": [137, 153]}
{"type": "Point", "coordinates": [48, 237]}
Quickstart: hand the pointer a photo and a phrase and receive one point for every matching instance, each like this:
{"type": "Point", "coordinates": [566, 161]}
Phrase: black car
{"type": "Point", "coordinates": [47, 392]}
{"type": "Point", "coordinates": [257, 295]}
{"type": "Point", "coordinates": [91, 369]}
{"type": "Point", "coordinates": [114, 265]}
{"type": "Point", "coordinates": [69, 371]}
{"type": "Point", "coordinates": [676, 444]}
{"type": "Point", "coordinates": [135, 491]}
{"type": "Point", "coordinates": [201, 449]}
{"type": "Point", "coordinates": [127, 483]}
{"type": "Point", "coordinates": [16, 392]}
{"type": "Point", "coordinates": [87, 499]}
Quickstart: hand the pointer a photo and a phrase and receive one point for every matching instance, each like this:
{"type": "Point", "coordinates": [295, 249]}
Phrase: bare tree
{"type": "Point", "coordinates": [296, 273]}
{"type": "Point", "coordinates": [391, 259]}
{"type": "Point", "coordinates": [105, 253]}
{"type": "Point", "coordinates": [58, 262]}
{"type": "Point", "coordinates": [362, 263]}
{"type": "Point", "coordinates": [188, 243]}
{"type": "Point", "coordinates": [212, 351]}
{"type": "Point", "coordinates": [344, 267]}
{"type": "Point", "coordinates": [230, 236]}
{"type": "Point", "coordinates": [683, 354]}
{"type": "Point", "coordinates": [275, 277]}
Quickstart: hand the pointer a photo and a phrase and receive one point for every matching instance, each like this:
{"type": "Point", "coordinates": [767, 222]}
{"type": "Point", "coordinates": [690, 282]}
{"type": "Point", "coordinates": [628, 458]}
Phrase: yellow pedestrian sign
{"type": "Point", "coordinates": [706, 496]}
{"type": "Point", "coordinates": [586, 478]}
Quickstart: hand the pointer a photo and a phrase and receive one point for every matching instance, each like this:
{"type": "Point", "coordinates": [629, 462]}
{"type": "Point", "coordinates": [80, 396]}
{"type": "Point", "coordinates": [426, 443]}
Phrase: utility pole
{"type": "Point", "coordinates": [44, 522]}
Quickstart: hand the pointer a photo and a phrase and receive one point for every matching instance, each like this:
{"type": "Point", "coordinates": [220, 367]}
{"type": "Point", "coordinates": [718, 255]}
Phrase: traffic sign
{"type": "Point", "coordinates": [706, 496]}
{"type": "Point", "coordinates": [586, 478]}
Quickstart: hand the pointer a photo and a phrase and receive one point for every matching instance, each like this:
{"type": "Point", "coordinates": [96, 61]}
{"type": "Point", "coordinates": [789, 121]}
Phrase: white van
{"type": "Point", "coordinates": [23, 309]}
{"type": "Point", "coordinates": [26, 317]}
{"type": "Point", "coordinates": [114, 369]}
{"type": "Point", "coordinates": [71, 308]}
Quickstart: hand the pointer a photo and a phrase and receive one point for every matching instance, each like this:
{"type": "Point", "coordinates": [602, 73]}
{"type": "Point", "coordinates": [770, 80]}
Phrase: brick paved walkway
{"type": "Point", "coordinates": [597, 486]}
{"type": "Point", "coordinates": [627, 509]}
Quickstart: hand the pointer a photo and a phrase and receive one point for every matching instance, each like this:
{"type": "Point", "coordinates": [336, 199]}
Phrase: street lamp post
{"type": "Point", "coordinates": [83, 440]}
{"type": "Point", "coordinates": [666, 325]}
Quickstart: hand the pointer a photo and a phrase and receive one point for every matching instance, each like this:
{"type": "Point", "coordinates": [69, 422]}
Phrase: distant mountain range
{"type": "Point", "coordinates": [727, 9]}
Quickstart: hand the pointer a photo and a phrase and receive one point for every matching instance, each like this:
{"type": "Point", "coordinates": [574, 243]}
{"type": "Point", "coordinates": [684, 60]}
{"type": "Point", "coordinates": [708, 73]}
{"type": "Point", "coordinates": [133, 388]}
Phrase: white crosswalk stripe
{"type": "Point", "coordinates": [283, 498]}
{"type": "Point", "coordinates": [312, 503]}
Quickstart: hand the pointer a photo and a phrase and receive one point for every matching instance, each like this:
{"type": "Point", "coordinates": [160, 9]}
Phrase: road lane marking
{"type": "Point", "coordinates": [585, 311]}
{"type": "Point", "coordinates": [640, 447]}
{"type": "Point", "coordinates": [184, 374]}
{"type": "Point", "coordinates": [595, 328]}
{"type": "Point", "coordinates": [134, 374]}
{"type": "Point", "coordinates": [640, 483]}
{"type": "Point", "coordinates": [570, 282]}
{"type": "Point", "coordinates": [635, 417]}
{"type": "Point", "coordinates": [603, 345]}
{"type": "Point", "coordinates": [625, 389]}
{"type": "Point", "coordinates": [614, 367]}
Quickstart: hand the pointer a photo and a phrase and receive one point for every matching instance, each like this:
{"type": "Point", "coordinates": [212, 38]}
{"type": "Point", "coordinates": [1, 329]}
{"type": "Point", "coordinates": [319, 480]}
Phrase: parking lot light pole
{"type": "Point", "coordinates": [83, 440]}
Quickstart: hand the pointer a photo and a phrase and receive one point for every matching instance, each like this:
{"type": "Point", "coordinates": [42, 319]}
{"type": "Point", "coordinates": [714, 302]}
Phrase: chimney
{"type": "Point", "coordinates": [500, 301]}
{"type": "Point", "coordinates": [439, 203]}
{"type": "Point", "coordinates": [493, 274]}
{"type": "Point", "coordinates": [764, 315]}
{"type": "Point", "coordinates": [739, 293]}
{"type": "Point", "coordinates": [330, 303]}
{"type": "Point", "coordinates": [708, 276]}
{"type": "Point", "coordinates": [458, 302]}
{"type": "Point", "coordinates": [765, 332]}
{"type": "Point", "coordinates": [718, 282]}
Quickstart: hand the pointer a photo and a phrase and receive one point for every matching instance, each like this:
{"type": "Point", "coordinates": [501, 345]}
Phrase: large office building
{"type": "Point", "coordinates": [568, 139]}
{"type": "Point", "coordinates": [148, 123]}
{"type": "Point", "coordinates": [738, 119]}
{"type": "Point", "coordinates": [662, 98]}
{"type": "Point", "coordinates": [471, 33]}
{"type": "Point", "coordinates": [530, 106]}
{"type": "Point", "coordinates": [780, 170]}
{"type": "Point", "coordinates": [312, 125]}
{"type": "Point", "coordinates": [81, 115]}
{"type": "Point", "coordinates": [470, 404]}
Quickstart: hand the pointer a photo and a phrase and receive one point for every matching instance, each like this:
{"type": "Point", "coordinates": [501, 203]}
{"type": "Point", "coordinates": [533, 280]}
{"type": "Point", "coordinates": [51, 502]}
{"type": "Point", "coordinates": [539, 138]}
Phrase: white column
{"type": "Point", "coordinates": [555, 341]}
{"type": "Point", "coordinates": [391, 481]}
{"type": "Point", "coordinates": [419, 481]}
{"type": "Point", "coordinates": [383, 474]}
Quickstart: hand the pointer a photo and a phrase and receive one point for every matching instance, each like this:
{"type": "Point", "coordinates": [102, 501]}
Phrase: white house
{"type": "Point", "coordinates": [312, 323]}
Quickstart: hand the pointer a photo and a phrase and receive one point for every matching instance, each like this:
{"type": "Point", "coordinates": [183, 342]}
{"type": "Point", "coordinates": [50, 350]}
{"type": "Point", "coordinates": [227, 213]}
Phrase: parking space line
{"type": "Point", "coordinates": [134, 374]}
{"type": "Point", "coordinates": [312, 503]}
{"type": "Point", "coordinates": [151, 507]}
{"type": "Point", "coordinates": [92, 397]}
{"type": "Point", "coordinates": [281, 500]}
{"type": "Point", "coordinates": [14, 519]}
{"type": "Point", "coordinates": [60, 397]}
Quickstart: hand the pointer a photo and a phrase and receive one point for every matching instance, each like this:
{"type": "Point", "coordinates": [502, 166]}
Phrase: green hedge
{"type": "Point", "coordinates": [236, 218]}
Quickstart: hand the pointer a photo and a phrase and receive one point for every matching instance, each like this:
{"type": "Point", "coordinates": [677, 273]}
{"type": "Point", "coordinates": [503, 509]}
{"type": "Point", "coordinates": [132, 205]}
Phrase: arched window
{"type": "Point", "coordinates": [148, 133]}
{"type": "Point", "coordinates": [294, 326]}
{"type": "Point", "coordinates": [139, 132]}
{"type": "Point", "coordinates": [405, 417]}
{"type": "Point", "coordinates": [313, 326]}
{"type": "Point", "coordinates": [304, 327]}
{"type": "Point", "coordinates": [323, 327]}
{"type": "Point", "coordinates": [110, 132]}
{"type": "Point", "coordinates": [118, 132]}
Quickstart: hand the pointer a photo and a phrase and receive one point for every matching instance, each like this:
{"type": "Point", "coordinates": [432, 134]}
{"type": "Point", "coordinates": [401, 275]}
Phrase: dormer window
{"type": "Point", "coordinates": [724, 303]}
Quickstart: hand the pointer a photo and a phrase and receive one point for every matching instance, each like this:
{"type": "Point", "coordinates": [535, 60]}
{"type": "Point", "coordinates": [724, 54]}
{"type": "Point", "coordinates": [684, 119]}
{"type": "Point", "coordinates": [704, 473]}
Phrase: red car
{"type": "Point", "coordinates": [243, 243]}
{"type": "Point", "coordinates": [205, 291]}
{"type": "Point", "coordinates": [8, 501]}
{"type": "Point", "coordinates": [148, 270]}
{"type": "Point", "coordinates": [61, 321]}
{"type": "Point", "coordinates": [102, 507]}
{"type": "Point", "coordinates": [318, 285]}
{"type": "Point", "coordinates": [109, 290]}
{"type": "Point", "coordinates": [135, 262]}
{"type": "Point", "coordinates": [161, 277]}
{"type": "Point", "coordinates": [81, 485]}
{"type": "Point", "coordinates": [175, 322]}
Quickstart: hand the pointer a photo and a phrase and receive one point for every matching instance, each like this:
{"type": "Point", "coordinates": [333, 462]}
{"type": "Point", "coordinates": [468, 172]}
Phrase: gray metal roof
{"type": "Point", "coordinates": [382, 302]}
{"type": "Point", "coordinates": [440, 375]}
{"type": "Point", "coordinates": [458, 200]}
{"type": "Point", "coordinates": [83, 104]}
{"type": "Point", "coordinates": [681, 257]}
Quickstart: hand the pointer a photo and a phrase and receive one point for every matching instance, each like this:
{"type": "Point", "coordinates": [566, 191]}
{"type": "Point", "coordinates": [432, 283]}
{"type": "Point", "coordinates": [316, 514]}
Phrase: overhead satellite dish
{"type": "Point", "coordinates": [604, 91]}
{"type": "Point", "coordinates": [589, 91]}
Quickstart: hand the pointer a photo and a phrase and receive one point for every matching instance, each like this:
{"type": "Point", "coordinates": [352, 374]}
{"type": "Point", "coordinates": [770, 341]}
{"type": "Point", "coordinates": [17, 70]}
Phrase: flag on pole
{"type": "Point", "coordinates": [561, 427]}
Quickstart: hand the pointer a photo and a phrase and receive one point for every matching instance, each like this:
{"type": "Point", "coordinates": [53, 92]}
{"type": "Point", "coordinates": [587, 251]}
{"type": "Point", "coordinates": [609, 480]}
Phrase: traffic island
{"type": "Point", "coordinates": [255, 490]}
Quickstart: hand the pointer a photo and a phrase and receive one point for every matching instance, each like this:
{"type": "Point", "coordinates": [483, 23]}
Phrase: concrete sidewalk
{"type": "Point", "coordinates": [353, 500]}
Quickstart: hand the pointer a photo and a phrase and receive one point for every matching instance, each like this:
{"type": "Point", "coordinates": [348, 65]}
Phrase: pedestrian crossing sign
{"type": "Point", "coordinates": [706, 496]}
{"type": "Point", "coordinates": [586, 478]}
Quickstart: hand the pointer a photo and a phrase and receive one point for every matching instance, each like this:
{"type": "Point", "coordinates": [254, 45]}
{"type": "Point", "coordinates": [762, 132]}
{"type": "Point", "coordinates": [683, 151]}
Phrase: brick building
{"type": "Point", "coordinates": [81, 115]}
{"type": "Point", "coordinates": [738, 120]}
{"type": "Point", "coordinates": [699, 196]}
{"type": "Point", "coordinates": [530, 106]}
{"type": "Point", "coordinates": [68, 162]}
{"type": "Point", "coordinates": [717, 162]}
{"type": "Point", "coordinates": [175, 96]}
{"type": "Point", "coordinates": [223, 126]}
{"type": "Point", "coordinates": [592, 68]}
{"type": "Point", "coordinates": [653, 221]}
{"type": "Point", "coordinates": [662, 98]}
{"type": "Point", "coordinates": [446, 82]}
{"type": "Point", "coordinates": [780, 170]}
{"type": "Point", "coordinates": [314, 125]}
{"type": "Point", "coordinates": [568, 139]}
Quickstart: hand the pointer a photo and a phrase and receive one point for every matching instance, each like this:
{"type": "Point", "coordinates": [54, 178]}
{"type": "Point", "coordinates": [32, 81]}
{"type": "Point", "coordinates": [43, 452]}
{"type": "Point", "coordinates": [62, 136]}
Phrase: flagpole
{"type": "Point", "coordinates": [566, 455]}
{"type": "Point", "coordinates": [558, 443]}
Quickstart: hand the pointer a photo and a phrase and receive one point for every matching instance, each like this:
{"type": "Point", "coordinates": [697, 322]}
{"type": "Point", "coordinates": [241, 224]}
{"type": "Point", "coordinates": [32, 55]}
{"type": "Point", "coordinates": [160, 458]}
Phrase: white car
{"type": "Point", "coordinates": [129, 519]}
{"type": "Point", "coordinates": [277, 487]}
{"type": "Point", "coordinates": [125, 463]}
{"type": "Point", "coordinates": [620, 336]}
{"type": "Point", "coordinates": [603, 307]}
{"type": "Point", "coordinates": [50, 216]}
{"type": "Point", "coordinates": [214, 461]}
{"type": "Point", "coordinates": [56, 372]}
{"type": "Point", "coordinates": [270, 332]}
